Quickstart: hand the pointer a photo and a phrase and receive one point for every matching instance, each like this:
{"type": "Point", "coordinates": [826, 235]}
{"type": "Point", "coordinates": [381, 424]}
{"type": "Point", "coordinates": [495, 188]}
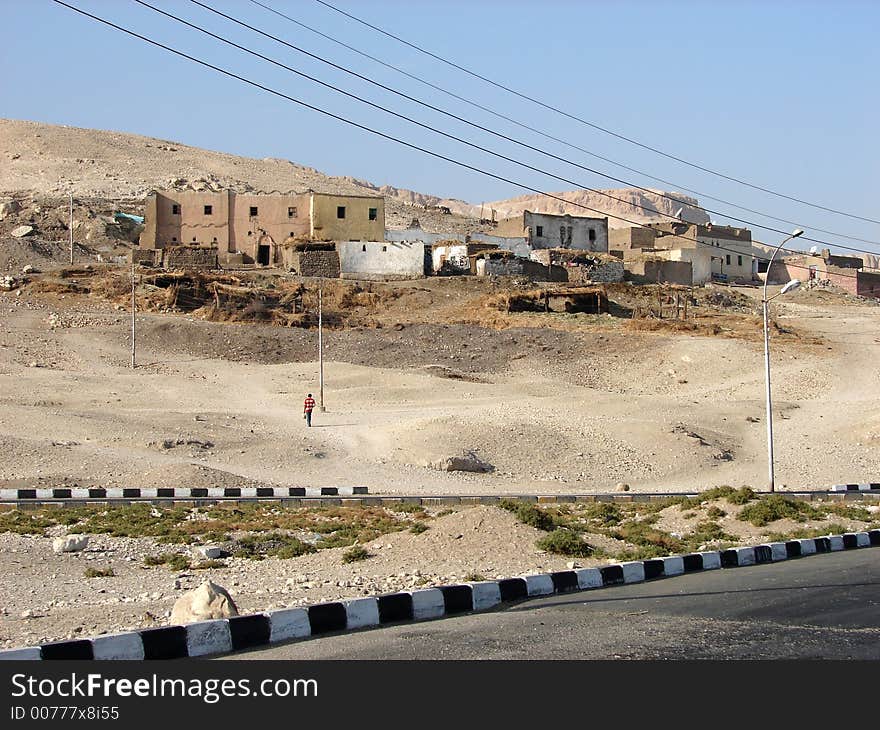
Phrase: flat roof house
{"type": "Point", "coordinates": [251, 227]}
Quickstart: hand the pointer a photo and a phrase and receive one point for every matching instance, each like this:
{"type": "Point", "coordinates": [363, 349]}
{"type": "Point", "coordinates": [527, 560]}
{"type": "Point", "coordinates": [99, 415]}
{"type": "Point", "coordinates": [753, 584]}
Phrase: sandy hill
{"type": "Point", "coordinates": [47, 159]}
{"type": "Point", "coordinates": [633, 204]}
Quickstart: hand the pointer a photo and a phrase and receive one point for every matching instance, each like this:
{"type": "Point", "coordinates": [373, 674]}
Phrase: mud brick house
{"type": "Point", "coordinates": [547, 230]}
{"type": "Point", "coordinates": [678, 243]}
{"type": "Point", "coordinates": [846, 272]}
{"type": "Point", "coordinates": [250, 228]}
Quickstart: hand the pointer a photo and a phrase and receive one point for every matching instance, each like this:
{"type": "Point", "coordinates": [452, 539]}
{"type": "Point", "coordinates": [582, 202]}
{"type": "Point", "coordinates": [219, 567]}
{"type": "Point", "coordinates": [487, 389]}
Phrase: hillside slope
{"type": "Point", "coordinates": [47, 159]}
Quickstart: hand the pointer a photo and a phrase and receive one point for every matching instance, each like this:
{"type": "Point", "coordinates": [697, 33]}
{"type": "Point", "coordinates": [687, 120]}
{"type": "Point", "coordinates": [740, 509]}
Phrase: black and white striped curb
{"type": "Point", "coordinates": [178, 493]}
{"type": "Point", "coordinates": [873, 487]}
{"type": "Point", "coordinates": [223, 636]}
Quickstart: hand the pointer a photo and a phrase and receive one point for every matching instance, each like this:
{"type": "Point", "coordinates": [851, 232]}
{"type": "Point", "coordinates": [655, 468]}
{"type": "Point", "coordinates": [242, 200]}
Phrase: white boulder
{"type": "Point", "coordinates": [70, 543]}
{"type": "Point", "coordinates": [208, 601]}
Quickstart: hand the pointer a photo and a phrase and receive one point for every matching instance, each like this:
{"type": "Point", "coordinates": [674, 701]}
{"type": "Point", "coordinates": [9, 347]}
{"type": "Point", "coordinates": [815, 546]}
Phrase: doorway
{"type": "Point", "coordinates": [263, 253]}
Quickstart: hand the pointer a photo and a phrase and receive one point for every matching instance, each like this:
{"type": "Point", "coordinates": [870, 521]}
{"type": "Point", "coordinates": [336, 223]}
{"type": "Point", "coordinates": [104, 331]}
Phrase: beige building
{"type": "Point", "coordinates": [730, 248]}
{"type": "Point", "coordinates": [251, 227]}
{"type": "Point", "coordinates": [713, 250]}
{"type": "Point", "coordinates": [548, 230]}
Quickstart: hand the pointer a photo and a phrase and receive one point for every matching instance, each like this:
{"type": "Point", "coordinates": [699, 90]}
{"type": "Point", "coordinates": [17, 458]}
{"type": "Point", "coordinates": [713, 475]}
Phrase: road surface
{"type": "Point", "coordinates": [824, 606]}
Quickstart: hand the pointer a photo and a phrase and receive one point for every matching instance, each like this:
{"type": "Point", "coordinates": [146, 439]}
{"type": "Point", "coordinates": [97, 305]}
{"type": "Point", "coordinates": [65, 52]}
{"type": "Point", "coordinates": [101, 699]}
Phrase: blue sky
{"type": "Point", "coordinates": [782, 94]}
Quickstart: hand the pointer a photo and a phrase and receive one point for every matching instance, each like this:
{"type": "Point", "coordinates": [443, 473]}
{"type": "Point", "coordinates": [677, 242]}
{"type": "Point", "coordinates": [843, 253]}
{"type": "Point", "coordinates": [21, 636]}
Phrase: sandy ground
{"type": "Point", "coordinates": [552, 410]}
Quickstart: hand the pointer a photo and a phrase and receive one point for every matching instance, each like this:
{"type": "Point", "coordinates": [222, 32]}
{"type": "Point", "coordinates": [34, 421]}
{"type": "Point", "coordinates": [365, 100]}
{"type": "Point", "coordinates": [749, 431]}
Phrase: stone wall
{"type": "Point", "coordinates": [312, 263]}
{"type": "Point", "coordinates": [516, 266]}
{"type": "Point", "coordinates": [190, 257]}
{"type": "Point", "coordinates": [146, 256]}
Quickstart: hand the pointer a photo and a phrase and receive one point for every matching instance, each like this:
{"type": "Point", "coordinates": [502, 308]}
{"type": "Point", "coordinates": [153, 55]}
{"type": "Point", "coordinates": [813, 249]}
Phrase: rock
{"type": "Point", "coordinates": [209, 552]}
{"type": "Point", "coordinates": [21, 231]}
{"type": "Point", "coordinates": [70, 543]}
{"type": "Point", "coordinates": [208, 601]}
{"type": "Point", "coordinates": [467, 461]}
{"type": "Point", "coordinates": [621, 487]}
{"type": "Point", "coordinates": [8, 207]}
{"type": "Point", "coordinates": [572, 565]}
{"type": "Point", "coordinates": [30, 270]}
{"type": "Point", "coordinates": [27, 614]}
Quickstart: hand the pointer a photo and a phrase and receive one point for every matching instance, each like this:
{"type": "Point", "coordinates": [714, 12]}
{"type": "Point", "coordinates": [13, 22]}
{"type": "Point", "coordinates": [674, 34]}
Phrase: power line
{"type": "Point", "coordinates": [449, 114]}
{"type": "Point", "coordinates": [593, 124]}
{"type": "Point", "coordinates": [573, 146]}
{"type": "Point", "coordinates": [379, 133]}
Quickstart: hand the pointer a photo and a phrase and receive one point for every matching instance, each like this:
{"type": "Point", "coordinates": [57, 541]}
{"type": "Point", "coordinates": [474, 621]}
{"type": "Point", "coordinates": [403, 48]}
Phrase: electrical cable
{"type": "Point", "coordinates": [434, 129]}
{"type": "Point", "coordinates": [593, 124]}
{"type": "Point", "coordinates": [384, 135]}
{"type": "Point", "coordinates": [573, 146]}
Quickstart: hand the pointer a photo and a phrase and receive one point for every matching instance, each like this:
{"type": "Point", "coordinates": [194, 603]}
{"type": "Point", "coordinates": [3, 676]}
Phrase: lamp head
{"type": "Point", "coordinates": [797, 232]}
{"type": "Point", "coordinates": [791, 286]}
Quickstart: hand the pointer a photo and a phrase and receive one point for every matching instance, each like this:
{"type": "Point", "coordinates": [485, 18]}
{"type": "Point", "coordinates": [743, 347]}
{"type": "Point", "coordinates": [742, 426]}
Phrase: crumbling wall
{"type": "Point", "coordinates": [516, 266]}
{"type": "Point", "coordinates": [312, 263]}
{"type": "Point", "coordinates": [607, 271]}
{"type": "Point", "coordinates": [146, 256]}
{"type": "Point", "coordinates": [190, 257]}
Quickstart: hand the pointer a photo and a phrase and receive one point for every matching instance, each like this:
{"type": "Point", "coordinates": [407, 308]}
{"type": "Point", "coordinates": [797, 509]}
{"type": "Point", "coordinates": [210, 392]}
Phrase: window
{"type": "Point", "coordinates": [173, 238]}
{"type": "Point", "coordinates": [728, 259]}
{"type": "Point", "coordinates": [539, 231]}
{"type": "Point", "coordinates": [194, 239]}
{"type": "Point", "coordinates": [291, 234]}
{"type": "Point", "coordinates": [740, 259]}
{"type": "Point", "coordinates": [175, 209]}
{"type": "Point", "coordinates": [340, 211]}
{"type": "Point", "coordinates": [215, 239]}
{"type": "Point", "coordinates": [291, 213]}
{"type": "Point", "coordinates": [592, 234]}
{"type": "Point", "coordinates": [384, 248]}
{"type": "Point", "coordinates": [364, 247]}
{"type": "Point", "coordinates": [209, 209]}
{"type": "Point", "coordinates": [254, 211]}
{"type": "Point", "coordinates": [374, 213]}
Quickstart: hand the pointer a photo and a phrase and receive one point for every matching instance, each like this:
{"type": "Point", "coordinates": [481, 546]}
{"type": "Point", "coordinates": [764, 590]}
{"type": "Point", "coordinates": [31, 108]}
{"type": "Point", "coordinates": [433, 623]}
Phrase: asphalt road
{"type": "Point", "coordinates": [820, 607]}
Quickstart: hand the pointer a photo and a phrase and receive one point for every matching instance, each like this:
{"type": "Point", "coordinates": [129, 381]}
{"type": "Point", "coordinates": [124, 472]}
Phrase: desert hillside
{"type": "Point", "coordinates": [47, 159]}
{"type": "Point", "coordinates": [633, 204]}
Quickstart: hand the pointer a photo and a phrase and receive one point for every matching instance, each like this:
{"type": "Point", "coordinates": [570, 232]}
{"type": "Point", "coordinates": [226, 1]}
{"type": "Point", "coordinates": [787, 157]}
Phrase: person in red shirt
{"type": "Point", "coordinates": [308, 407]}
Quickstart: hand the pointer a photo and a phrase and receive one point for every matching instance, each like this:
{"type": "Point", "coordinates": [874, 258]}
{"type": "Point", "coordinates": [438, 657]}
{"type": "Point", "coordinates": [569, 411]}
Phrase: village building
{"type": "Point", "coordinates": [846, 272]}
{"type": "Point", "coordinates": [582, 266]}
{"type": "Point", "coordinates": [548, 230]}
{"type": "Point", "coordinates": [500, 262]}
{"type": "Point", "coordinates": [250, 228]}
{"type": "Point", "coordinates": [732, 255]}
{"type": "Point", "coordinates": [454, 257]}
{"type": "Point", "coordinates": [685, 242]}
{"type": "Point", "coordinates": [384, 260]}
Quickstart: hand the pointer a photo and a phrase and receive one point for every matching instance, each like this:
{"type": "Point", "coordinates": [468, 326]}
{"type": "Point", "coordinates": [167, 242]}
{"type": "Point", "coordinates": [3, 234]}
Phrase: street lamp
{"type": "Point", "coordinates": [790, 286]}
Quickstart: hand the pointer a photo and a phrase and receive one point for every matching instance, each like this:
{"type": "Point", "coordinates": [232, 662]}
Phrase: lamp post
{"type": "Point", "coordinates": [321, 347]}
{"type": "Point", "coordinates": [791, 285]}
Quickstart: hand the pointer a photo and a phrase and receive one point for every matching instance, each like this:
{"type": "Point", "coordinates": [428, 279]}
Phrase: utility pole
{"type": "Point", "coordinates": [320, 348]}
{"type": "Point", "coordinates": [133, 310]}
{"type": "Point", "coordinates": [70, 227]}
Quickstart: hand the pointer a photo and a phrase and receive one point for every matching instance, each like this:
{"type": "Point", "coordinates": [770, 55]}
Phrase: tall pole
{"type": "Point", "coordinates": [133, 309]}
{"type": "Point", "coordinates": [70, 227]}
{"type": "Point", "coordinates": [769, 403]}
{"type": "Point", "coordinates": [320, 348]}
